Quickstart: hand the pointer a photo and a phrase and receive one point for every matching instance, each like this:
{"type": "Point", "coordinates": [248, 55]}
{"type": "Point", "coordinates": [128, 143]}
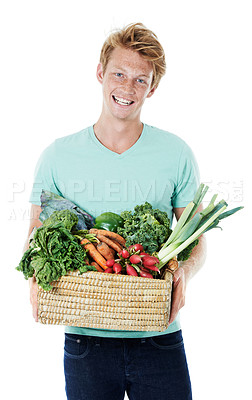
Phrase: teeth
{"type": "Point", "coordinates": [122, 101]}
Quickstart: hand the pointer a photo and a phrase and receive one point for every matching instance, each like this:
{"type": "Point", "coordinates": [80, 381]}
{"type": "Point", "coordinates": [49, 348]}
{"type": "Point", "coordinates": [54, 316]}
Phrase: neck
{"type": "Point", "coordinates": [117, 135]}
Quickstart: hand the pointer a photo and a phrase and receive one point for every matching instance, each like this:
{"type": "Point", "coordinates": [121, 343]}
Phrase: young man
{"type": "Point", "coordinates": [115, 164]}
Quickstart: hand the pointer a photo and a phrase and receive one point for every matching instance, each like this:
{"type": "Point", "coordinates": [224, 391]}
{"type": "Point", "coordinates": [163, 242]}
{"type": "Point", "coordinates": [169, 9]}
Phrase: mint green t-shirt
{"type": "Point", "coordinates": [159, 168]}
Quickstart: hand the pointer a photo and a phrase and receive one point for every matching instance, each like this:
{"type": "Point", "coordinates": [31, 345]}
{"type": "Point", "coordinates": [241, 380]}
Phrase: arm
{"type": "Point", "coordinates": [186, 271]}
{"type": "Point", "coordinates": [34, 222]}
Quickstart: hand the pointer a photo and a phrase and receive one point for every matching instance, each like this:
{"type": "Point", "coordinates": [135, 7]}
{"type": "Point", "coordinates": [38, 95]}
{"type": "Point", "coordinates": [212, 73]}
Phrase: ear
{"type": "Point", "coordinates": [99, 73]}
{"type": "Point", "coordinates": [151, 92]}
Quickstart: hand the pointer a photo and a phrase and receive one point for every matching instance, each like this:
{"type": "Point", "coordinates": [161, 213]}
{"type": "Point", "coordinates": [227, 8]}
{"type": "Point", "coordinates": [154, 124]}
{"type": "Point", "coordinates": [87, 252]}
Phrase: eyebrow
{"type": "Point", "coordinates": [122, 69]}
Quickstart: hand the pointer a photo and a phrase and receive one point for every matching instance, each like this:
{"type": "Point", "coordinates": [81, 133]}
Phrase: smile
{"type": "Point", "coordinates": [122, 102]}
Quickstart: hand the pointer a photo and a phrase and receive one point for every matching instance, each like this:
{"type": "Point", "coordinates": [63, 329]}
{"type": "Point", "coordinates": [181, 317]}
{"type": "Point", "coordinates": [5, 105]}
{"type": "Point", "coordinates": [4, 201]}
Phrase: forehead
{"type": "Point", "coordinates": [129, 60]}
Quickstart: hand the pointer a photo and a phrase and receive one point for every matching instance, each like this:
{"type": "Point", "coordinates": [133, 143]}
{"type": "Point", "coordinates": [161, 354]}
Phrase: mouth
{"type": "Point", "coordinates": [121, 101]}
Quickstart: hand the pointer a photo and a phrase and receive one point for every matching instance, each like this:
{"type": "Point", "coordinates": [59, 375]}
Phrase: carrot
{"type": "Point", "coordinates": [105, 250]}
{"type": "Point", "coordinates": [97, 266]}
{"type": "Point", "coordinates": [113, 252]}
{"type": "Point", "coordinates": [93, 253]}
{"type": "Point", "coordinates": [117, 243]}
{"type": "Point", "coordinates": [109, 242]}
{"type": "Point", "coordinates": [110, 235]}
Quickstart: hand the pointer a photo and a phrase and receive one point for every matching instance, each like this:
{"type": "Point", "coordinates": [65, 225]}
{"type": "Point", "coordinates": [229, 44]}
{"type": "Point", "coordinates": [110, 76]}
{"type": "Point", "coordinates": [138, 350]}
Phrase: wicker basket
{"type": "Point", "coordinates": [107, 301]}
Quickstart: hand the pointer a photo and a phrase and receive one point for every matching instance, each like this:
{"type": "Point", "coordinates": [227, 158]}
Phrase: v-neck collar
{"type": "Point", "coordinates": [113, 153]}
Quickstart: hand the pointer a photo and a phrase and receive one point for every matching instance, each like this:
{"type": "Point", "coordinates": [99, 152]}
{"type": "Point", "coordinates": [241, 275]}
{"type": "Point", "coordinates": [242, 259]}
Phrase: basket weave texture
{"type": "Point", "coordinates": [107, 301]}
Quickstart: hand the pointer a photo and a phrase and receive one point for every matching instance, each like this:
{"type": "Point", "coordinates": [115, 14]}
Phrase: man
{"type": "Point", "coordinates": [115, 164]}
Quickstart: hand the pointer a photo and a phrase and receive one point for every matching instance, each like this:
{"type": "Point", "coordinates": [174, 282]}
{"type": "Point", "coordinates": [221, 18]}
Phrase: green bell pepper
{"type": "Point", "coordinates": [109, 221]}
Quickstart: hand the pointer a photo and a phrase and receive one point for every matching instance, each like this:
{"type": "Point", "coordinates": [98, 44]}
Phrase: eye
{"type": "Point", "coordinates": [140, 80]}
{"type": "Point", "coordinates": [119, 74]}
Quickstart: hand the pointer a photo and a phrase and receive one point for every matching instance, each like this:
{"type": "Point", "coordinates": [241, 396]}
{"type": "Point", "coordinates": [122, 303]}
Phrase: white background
{"type": "Point", "coordinates": [49, 52]}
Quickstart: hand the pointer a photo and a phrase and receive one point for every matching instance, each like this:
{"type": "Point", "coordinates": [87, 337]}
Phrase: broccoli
{"type": "Point", "coordinates": [148, 226]}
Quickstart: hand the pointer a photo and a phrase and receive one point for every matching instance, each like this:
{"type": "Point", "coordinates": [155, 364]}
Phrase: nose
{"type": "Point", "coordinates": [128, 86]}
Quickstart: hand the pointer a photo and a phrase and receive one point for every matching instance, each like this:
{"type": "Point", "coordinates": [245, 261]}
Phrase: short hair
{"type": "Point", "coordinates": [138, 38]}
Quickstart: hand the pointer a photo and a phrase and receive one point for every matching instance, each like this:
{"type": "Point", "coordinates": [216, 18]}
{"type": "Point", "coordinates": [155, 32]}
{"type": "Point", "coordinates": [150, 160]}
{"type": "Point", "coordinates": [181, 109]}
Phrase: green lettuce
{"type": "Point", "coordinates": [54, 250]}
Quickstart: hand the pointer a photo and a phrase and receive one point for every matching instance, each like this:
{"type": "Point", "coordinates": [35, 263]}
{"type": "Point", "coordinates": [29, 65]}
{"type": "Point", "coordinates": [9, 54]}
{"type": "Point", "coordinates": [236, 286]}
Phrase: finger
{"type": "Point", "coordinates": [172, 318]}
{"type": "Point", "coordinates": [35, 312]}
{"type": "Point", "coordinates": [178, 299]}
{"type": "Point", "coordinates": [178, 274]}
{"type": "Point", "coordinates": [173, 315]}
{"type": "Point", "coordinates": [174, 310]}
{"type": "Point", "coordinates": [174, 307]}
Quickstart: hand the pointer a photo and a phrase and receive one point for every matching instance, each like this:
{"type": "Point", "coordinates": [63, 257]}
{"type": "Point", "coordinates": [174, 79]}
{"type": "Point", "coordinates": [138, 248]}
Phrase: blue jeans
{"type": "Point", "coordinates": [146, 369]}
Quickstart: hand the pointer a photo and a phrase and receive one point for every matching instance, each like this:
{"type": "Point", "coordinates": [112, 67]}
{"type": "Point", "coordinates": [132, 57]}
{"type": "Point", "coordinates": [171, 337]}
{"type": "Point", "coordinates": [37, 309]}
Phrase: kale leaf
{"type": "Point", "coordinates": [145, 225]}
{"type": "Point", "coordinates": [185, 254]}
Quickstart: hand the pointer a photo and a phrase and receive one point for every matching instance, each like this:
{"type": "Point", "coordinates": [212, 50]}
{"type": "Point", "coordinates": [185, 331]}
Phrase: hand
{"type": "Point", "coordinates": [178, 293]}
{"type": "Point", "coordinates": [33, 297]}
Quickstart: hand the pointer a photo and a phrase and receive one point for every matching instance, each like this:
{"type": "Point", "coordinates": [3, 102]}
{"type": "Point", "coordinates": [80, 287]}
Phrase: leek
{"type": "Point", "coordinates": [191, 225]}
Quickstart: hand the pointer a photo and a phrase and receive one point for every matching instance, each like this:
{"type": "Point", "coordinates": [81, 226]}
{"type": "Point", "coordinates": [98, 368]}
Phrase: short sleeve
{"type": "Point", "coordinates": [44, 175]}
{"type": "Point", "coordinates": [188, 179]}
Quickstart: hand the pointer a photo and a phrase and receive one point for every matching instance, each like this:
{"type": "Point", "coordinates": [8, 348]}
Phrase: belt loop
{"type": "Point", "coordinates": [143, 340]}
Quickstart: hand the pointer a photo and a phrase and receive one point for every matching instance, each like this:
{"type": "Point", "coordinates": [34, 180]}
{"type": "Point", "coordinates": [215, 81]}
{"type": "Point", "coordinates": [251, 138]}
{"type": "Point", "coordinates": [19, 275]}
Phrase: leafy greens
{"type": "Point", "coordinates": [192, 224]}
{"type": "Point", "coordinates": [145, 225]}
{"type": "Point", "coordinates": [54, 250]}
{"type": "Point", "coordinates": [51, 202]}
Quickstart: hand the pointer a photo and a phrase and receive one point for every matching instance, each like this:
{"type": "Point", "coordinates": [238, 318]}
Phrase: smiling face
{"type": "Point", "coordinates": [126, 84]}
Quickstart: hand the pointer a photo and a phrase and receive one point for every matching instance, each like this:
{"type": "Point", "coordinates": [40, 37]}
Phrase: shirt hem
{"type": "Point", "coordinates": [174, 327]}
